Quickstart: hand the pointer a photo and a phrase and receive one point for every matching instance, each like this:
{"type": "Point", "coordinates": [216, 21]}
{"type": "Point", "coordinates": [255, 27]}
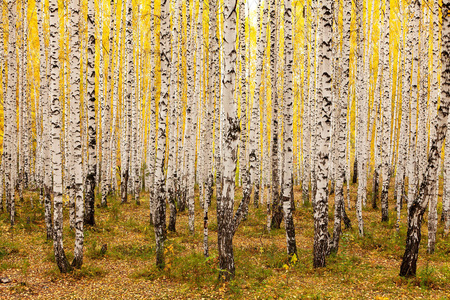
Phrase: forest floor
{"type": "Point", "coordinates": [364, 268]}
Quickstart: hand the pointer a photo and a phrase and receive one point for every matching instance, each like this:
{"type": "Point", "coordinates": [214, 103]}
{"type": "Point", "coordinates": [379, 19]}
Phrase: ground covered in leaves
{"type": "Point", "coordinates": [363, 268]}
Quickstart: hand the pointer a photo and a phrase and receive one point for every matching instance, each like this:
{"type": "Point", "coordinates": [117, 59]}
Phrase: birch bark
{"type": "Point", "coordinates": [160, 191]}
{"type": "Point", "coordinates": [323, 139]}
{"type": "Point", "coordinates": [289, 132]}
{"type": "Point", "coordinates": [75, 135]}
{"type": "Point", "coordinates": [92, 134]}
{"type": "Point", "coordinates": [60, 256]}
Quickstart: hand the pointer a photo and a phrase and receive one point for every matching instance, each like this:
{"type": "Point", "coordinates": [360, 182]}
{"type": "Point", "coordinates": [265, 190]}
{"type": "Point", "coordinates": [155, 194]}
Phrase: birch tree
{"type": "Point", "coordinates": [214, 95]}
{"type": "Point", "coordinates": [60, 256]}
{"type": "Point", "coordinates": [403, 142]}
{"type": "Point", "coordinates": [106, 134]}
{"type": "Point", "coordinates": [9, 148]}
{"type": "Point", "coordinates": [277, 212]}
{"type": "Point", "coordinates": [76, 136]}
{"type": "Point", "coordinates": [171, 168]}
{"type": "Point", "coordinates": [92, 134]}
{"type": "Point", "coordinates": [324, 122]}
{"type": "Point", "coordinates": [289, 132]}
{"type": "Point", "coordinates": [160, 186]}
{"type": "Point", "coordinates": [386, 105]}
{"type": "Point", "coordinates": [126, 127]}
{"type": "Point", "coordinates": [341, 114]}
{"type": "Point", "coordinates": [227, 223]}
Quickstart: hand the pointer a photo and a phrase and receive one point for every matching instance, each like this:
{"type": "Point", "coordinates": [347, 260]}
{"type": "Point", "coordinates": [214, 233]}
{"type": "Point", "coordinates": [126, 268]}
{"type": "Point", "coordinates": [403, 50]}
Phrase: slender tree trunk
{"type": "Point", "coordinates": [446, 192]}
{"type": "Point", "coordinates": [10, 130]}
{"type": "Point", "coordinates": [362, 130]}
{"type": "Point", "coordinates": [403, 142]}
{"type": "Point", "coordinates": [213, 95]}
{"type": "Point", "coordinates": [216, 54]}
{"type": "Point", "coordinates": [230, 143]}
{"type": "Point", "coordinates": [434, 96]}
{"type": "Point", "coordinates": [151, 143]}
{"type": "Point", "coordinates": [76, 136]}
{"type": "Point", "coordinates": [324, 121]}
{"type": "Point", "coordinates": [339, 205]}
{"type": "Point", "coordinates": [277, 210]}
{"type": "Point", "coordinates": [194, 120]}
{"type": "Point", "coordinates": [243, 159]}
{"type": "Point", "coordinates": [171, 167]}
{"type": "Point", "coordinates": [414, 42]}
{"type": "Point", "coordinates": [106, 133]}
{"type": "Point", "coordinates": [92, 134]}
{"type": "Point", "coordinates": [306, 112]}
{"type": "Point", "coordinates": [160, 186]}
{"type": "Point", "coordinates": [255, 148]}
{"type": "Point", "coordinates": [125, 181]}
{"type": "Point", "coordinates": [386, 106]}
{"type": "Point", "coordinates": [60, 256]}
{"type": "Point", "coordinates": [289, 132]}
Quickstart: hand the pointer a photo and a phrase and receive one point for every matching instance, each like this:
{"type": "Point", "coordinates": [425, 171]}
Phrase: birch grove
{"type": "Point", "coordinates": [206, 107]}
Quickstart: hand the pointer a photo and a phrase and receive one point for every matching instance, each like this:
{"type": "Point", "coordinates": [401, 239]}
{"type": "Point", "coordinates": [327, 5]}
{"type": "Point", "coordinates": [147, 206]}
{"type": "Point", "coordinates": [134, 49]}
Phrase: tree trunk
{"type": "Point", "coordinates": [386, 106]}
{"type": "Point", "coordinates": [10, 130]}
{"type": "Point", "coordinates": [44, 103]}
{"type": "Point", "coordinates": [277, 210]}
{"type": "Point", "coordinates": [230, 142]}
{"type": "Point", "coordinates": [151, 140]}
{"type": "Point", "coordinates": [89, 218]}
{"type": "Point", "coordinates": [289, 132]}
{"type": "Point", "coordinates": [76, 136]}
{"type": "Point", "coordinates": [172, 179]}
{"type": "Point", "coordinates": [255, 148]}
{"type": "Point", "coordinates": [106, 133]}
{"type": "Point", "coordinates": [341, 114]}
{"type": "Point", "coordinates": [403, 142]}
{"type": "Point", "coordinates": [413, 39]}
{"type": "Point", "coordinates": [323, 139]}
{"type": "Point", "coordinates": [60, 256]}
{"type": "Point", "coordinates": [434, 96]}
{"type": "Point", "coordinates": [446, 192]}
{"type": "Point", "coordinates": [212, 87]}
{"type": "Point", "coordinates": [160, 186]}
{"type": "Point", "coordinates": [362, 118]}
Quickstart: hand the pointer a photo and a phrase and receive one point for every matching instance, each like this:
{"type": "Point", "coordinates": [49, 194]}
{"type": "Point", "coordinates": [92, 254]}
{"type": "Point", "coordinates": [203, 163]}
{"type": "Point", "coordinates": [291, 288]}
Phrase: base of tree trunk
{"type": "Point", "coordinates": [413, 236]}
{"type": "Point", "coordinates": [384, 204]}
{"type": "Point", "coordinates": [355, 171]}
{"type": "Point", "coordinates": [124, 187]}
{"type": "Point", "coordinates": [226, 257]}
{"type": "Point", "coordinates": [375, 185]}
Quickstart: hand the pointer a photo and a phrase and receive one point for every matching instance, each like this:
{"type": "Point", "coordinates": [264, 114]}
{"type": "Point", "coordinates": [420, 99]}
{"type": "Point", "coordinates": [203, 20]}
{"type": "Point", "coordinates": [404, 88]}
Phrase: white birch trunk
{"type": "Point", "coordinates": [405, 68]}
{"type": "Point", "coordinates": [75, 134]}
{"type": "Point", "coordinates": [230, 144]}
{"type": "Point", "coordinates": [362, 125]}
{"type": "Point", "coordinates": [289, 132]}
{"type": "Point", "coordinates": [412, 163]}
{"type": "Point", "coordinates": [106, 133]}
{"type": "Point", "coordinates": [58, 247]}
{"type": "Point", "coordinates": [91, 130]}
{"type": "Point", "coordinates": [172, 172]}
{"type": "Point", "coordinates": [10, 130]}
{"type": "Point", "coordinates": [160, 186]}
{"type": "Point", "coordinates": [323, 138]}
{"type": "Point", "coordinates": [386, 107]}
